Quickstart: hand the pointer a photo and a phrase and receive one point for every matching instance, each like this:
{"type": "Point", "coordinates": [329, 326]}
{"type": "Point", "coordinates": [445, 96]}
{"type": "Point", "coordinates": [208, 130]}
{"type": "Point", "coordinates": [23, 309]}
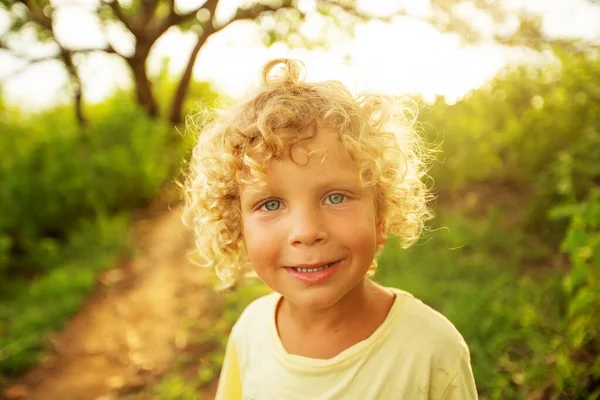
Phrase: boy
{"type": "Point", "coordinates": [302, 184]}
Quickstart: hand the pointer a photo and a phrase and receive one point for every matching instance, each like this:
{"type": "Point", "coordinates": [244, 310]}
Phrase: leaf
{"type": "Point", "coordinates": [578, 274]}
{"type": "Point", "coordinates": [581, 302]}
{"type": "Point", "coordinates": [576, 239]}
{"type": "Point", "coordinates": [564, 211]}
{"type": "Point", "coordinates": [596, 261]}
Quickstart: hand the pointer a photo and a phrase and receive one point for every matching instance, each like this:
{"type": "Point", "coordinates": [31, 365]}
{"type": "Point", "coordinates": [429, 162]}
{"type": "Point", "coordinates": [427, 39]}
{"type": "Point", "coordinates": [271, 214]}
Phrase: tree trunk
{"type": "Point", "coordinates": [67, 59]}
{"type": "Point", "coordinates": [79, 106]}
{"type": "Point", "coordinates": [184, 83]}
{"type": "Point", "coordinates": [143, 86]}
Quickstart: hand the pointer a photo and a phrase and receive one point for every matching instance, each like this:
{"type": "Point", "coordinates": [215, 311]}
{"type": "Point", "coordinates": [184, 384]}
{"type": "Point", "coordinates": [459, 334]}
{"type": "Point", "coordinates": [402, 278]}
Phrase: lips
{"type": "Point", "coordinates": [313, 267]}
{"type": "Point", "coordinates": [312, 274]}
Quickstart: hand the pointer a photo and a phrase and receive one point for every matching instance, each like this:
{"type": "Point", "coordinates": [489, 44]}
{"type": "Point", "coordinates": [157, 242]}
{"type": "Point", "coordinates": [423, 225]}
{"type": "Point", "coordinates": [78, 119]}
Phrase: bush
{"type": "Point", "coordinates": [37, 308]}
{"type": "Point", "coordinates": [55, 174]}
{"type": "Point", "coordinates": [536, 131]}
{"type": "Point", "coordinates": [66, 195]}
{"type": "Point", "coordinates": [578, 348]}
{"type": "Point", "coordinates": [468, 270]}
{"type": "Point", "coordinates": [520, 130]}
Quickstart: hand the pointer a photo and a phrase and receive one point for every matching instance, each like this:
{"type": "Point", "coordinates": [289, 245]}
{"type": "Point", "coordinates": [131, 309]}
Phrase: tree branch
{"type": "Point", "coordinates": [29, 62]}
{"type": "Point", "coordinates": [254, 11]}
{"type": "Point", "coordinates": [242, 13]}
{"type": "Point", "coordinates": [186, 77]}
{"type": "Point", "coordinates": [67, 58]}
{"type": "Point", "coordinates": [148, 10]}
{"type": "Point", "coordinates": [118, 11]}
{"type": "Point", "coordinates": [351, 10]}
{"type": "Point", "coordinates": [211, 7]}
{"type": "Point", "coordinates": [37, 14]}
{"type": "Point", "coordinates": [109, 47]}
{"type": "Point", "coordinates": [109, 50]}
{"type": "Point", "coordinates": [175, 19]}
{"type": "Point", "coordinates": [14, 53]}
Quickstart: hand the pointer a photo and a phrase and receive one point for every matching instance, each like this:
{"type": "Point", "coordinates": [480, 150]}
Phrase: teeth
{"type": "Point", "coordinates": [313, 269]}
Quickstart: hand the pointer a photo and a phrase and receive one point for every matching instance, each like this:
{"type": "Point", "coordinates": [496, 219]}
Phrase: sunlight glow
{"type": "Point", "coordinates": [405, 56]}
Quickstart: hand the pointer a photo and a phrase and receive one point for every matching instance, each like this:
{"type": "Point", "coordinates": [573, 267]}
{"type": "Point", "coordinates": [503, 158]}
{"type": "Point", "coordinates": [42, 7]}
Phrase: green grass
{"type": "Point", "coordinates": [68, 192]}
{"type": "Point", "coordinates": [175, 387]}
{"type": "Point", "coordinates": [34, 309]}
{"type": "Point", "coordinates": [470, 271]}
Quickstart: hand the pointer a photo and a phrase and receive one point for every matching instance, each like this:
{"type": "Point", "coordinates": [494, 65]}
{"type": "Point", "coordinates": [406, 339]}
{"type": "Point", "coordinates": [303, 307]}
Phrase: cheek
{"type": "Point", "coordinates": [359, 231]}
{"type": "Point", "coordinates": [262, 251]}
{"type": "Point", "coordinates": [364, 239]}
{"type": "Point", "coordinates": [261, 247]}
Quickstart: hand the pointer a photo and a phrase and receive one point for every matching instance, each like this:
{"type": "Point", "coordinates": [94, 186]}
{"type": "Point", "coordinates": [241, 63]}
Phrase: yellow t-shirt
{"type": "Point", "coordinates": [416, 353]}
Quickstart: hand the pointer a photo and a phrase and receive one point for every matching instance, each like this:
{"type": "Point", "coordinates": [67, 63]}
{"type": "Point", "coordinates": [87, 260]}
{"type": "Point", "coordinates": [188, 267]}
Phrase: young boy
{"type": "Point", "coordinates": [302, 184]}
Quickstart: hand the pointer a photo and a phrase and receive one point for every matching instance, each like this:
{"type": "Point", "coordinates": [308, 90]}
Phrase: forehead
{"type": "Point", "coordinates": [325, 149]}
{"type": "Point", "coordinates": [321, 159]}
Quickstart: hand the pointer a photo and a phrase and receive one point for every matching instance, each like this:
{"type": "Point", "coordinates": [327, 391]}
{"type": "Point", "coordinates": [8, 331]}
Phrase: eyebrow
{"type": "Point", "coordinates": [346, 184]}
{"type": "Point", "coordinates": [254, 195]}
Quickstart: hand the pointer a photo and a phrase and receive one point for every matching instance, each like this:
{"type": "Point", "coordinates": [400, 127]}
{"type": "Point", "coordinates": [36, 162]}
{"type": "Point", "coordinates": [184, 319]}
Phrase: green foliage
{"type": "Point", "coordinates": [467, 269]}
{"type": "Point", "coordinates": [55, 174]}
{"type": "Point", "coordinates": [66, 193]}
{"type": "Point", "coordinates": [579, 347]}
{"type": "Point", "coordinates": [39, 308]}
{"type": "Point", "coordinates": [200, 95]}
{"type": "Point", "coordinates": [174, 387]}
{"type": "Point", "coordinates": [536, 131]}
{"type": "Point", "coordinates": [520, 130]}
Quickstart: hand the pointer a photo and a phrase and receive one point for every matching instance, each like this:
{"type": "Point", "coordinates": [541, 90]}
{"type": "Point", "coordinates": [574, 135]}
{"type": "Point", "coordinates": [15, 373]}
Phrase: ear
{"type": "Point", "coordinates": [380, 233]}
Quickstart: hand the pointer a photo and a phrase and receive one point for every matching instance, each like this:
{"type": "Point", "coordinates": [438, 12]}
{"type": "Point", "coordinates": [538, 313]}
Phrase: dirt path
{"type": "Point", "coordinates": [132, 328]}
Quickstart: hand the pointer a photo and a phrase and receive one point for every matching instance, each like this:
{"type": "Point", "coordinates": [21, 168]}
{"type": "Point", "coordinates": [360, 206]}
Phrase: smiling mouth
{"type": "Point", "coordinates": [315, 269]}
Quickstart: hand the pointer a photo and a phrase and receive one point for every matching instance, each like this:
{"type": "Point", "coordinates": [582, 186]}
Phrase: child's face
{"type": "Point", "coordinates": [312, 212]}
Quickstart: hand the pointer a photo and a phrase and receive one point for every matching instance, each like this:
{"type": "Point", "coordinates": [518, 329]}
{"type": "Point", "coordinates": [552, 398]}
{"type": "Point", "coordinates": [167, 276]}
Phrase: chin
{"type": "Point", "coordinates": [315, 298]}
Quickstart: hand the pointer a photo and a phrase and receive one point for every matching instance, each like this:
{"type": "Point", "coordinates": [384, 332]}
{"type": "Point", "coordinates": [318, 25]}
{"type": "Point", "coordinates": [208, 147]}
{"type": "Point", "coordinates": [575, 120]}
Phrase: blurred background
{"type": "Point", "coordinates": [98, 299]}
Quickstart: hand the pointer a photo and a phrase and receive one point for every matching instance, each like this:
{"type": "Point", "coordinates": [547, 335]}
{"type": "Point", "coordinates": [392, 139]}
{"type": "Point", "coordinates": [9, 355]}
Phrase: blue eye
{"type": "Point", "coordinates": [271, 205]}
{"type": "Point", "coordinates": [335, 198]}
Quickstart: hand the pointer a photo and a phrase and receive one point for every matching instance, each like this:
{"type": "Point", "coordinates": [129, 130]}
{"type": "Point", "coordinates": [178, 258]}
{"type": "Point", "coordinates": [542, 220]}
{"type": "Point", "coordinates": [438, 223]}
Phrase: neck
{"type": "Point", "coordinates": [347, 311]}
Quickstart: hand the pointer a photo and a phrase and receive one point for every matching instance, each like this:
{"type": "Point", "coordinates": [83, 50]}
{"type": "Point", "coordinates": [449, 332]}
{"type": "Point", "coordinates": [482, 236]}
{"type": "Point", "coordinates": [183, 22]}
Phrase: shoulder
{"type": "Point", "coordinates": [428, 329]}
{"type": "Point", "coordinates": [436, 348]}
{"type": "Point", "coordinates": [252, 334]}
{"type": "Point", "coordinates": [257, 315]}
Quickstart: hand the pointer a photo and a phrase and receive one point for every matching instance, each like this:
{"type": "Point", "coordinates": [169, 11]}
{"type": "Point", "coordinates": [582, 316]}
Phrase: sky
{"type": "Point", "coordinates": [405, 56]}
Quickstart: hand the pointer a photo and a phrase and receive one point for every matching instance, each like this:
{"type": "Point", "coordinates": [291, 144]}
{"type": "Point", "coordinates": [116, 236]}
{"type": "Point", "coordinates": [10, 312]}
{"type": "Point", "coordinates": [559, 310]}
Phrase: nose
{"type": "Point", "coordinates": [307, 228]}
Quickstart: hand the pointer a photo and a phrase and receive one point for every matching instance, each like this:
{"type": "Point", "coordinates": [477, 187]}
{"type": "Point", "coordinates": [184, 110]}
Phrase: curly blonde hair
{"type": "Point", "coordinates": [237, 145]}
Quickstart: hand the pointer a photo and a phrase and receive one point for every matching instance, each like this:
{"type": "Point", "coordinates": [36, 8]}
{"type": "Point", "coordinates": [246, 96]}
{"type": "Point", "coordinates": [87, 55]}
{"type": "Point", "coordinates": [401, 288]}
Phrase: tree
{"type": "Point", "coordinates": [148, 20]}
{"type": "Point", "coordinates": [37, 14]}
